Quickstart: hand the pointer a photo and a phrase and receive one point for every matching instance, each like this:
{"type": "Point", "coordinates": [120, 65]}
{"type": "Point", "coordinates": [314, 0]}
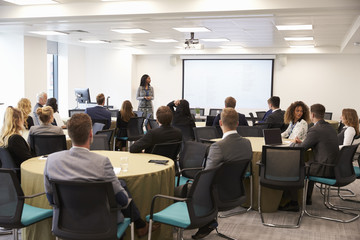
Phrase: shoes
{"type": "Point", "coordinates": [141, 232]}
{"type": "Point", "coordinates": [204, 231]}
{"type": "Point", "coordinates": [291, 207]}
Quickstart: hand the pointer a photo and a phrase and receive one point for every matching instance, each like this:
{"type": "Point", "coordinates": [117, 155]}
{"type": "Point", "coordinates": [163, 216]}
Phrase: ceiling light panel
{"type": "Point", "coordinates": [163, 40]}
{"type": "Point", "coordinates": [215, 40]}
{"type": "Point", "coordinates": [129, 30]}
{"type": "Point", "coordinates": [192, 29]}
{"type": "Point", "coordinates": [299, 38]}
{"type": "Point", "coordinates": [49, 33]}
{"type": "Point", "coordinates": [31, 2]}
{"type": "Point", "coordinates": [293, 27]}
{"type": "Point", "coordinates": [92, 41]}
{"type": "Point", "coordinates": [303, 46]}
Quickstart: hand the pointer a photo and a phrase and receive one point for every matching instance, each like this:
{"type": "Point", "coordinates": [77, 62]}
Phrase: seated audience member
{"type": "Point", "coordinates": [99, 112]}
{"type": "Point", "coordinates": [46, 116]}
{"type": "Point", "coordinates": [231, 102]}
{"type": "Point", "coordinates": [181, 113]}
{"type": "Point", "coordinates": [267, 114]}
{"type": "Point", "coordinates": [322, 139]}
{"type": "Point", "coordinates": [164, 134]}
{"type": "Point", "coordinates": [297, 116]}
{"type": "Point", "coordinates": [232, 147]}
{"type": "Point", "coordinates": [24, 105]}
{"type": "Point", "coordinates": [10, 137]}
{"type": "Point", "coordinates": [122, 120]}
{"type": "Point", "coordinates": [52, 102]}
{"type": "Point", "coordinates": [80, 164]}
{"type": "Point", "coordinates": [41, 99]}
{"type": "Point", "coordinates": [350, 120]}
{"type": "Point", "coordinates": [276, 118]}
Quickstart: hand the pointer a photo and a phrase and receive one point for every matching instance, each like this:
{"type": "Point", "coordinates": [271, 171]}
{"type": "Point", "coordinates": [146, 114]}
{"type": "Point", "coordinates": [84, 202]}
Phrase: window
{"type": "Point", "coordinates": [52, 69]}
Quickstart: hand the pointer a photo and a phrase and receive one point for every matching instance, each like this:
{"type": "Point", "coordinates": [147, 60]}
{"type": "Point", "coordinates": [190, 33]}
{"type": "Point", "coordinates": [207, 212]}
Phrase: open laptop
{"type": "Point", "coordinates": [272, 136]}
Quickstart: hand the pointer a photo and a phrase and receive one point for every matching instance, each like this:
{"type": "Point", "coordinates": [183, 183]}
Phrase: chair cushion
{"type": "Point", "coordinates": [32, 214]}
{"type": "Point", "coordinates": [176, 214]}
{"type": "Point", "coordinates": [183, 180]}
{"type": "Point", "coordinates": [327, 181]}
{"type": "Point", "coordinates": [121, 227]}
{"type": "Point", "coordinates": [357, 171]}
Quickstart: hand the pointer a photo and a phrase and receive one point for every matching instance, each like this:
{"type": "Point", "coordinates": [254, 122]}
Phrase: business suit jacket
{"type": "Point", "coordinates": [36, 117]}
{"type": "Point", "coordinates": [45, 129]}
{"type": "Point", "coordinates": [232, 148]}
{"type": "Point", "coordinates": [99, 113]}
{"type": "Point", "coordinates": [79, 164]}
{"type": "Point", "coordinates": [163, 134]}
{"type": "Point", "coordinates": [276, 120]}
{"type": "Point", "coordinates": [267, 114]}
{"type": "Point", "coordinates": [242, 120]}
{"type": "Point", "coordinates": [322, 139]}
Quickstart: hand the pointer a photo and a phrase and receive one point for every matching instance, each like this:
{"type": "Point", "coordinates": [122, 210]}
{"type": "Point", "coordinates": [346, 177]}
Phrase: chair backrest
{"type": "Point", "coordinates": [75, 111]}
{"type": "Point", "coordinates": [11, 199]}
{"type": "Point", "coordinates": [215, 111]}
{"type": "Point", "coordinates": [328, 115]}
{"type": "Point", "coordinates": [193, 155]}
{"type": "Point", "coordinates": [201, 111]}
{"type": "Point", "coordinates": [139, 113]}
{"type": "Point", "coordinates": [228, 187]}
{"type": "Point", "coordinates": [170, 150]}
{"type": "Point", "coordinates": [103, 121]}
{"type": "Point", "coordinates": [97, 127]}
{"type": "Point", "coordinates": [209, 120]}
{"type": "Point", "coordinates": [249, 131]}
{"type": "Point", "coordinates": [109, 134]}
{"type": "Point", "coordinates": [282, 167]}
{"type": "Point", "coordinates": [201, 204]}
{"type": "Point", "coordinates": [153, 123]}
{"type": "Point", "coordinates": [6, 160]}
{"type": "Point", "coordinates": [253, 120]}
{"type": "Point", "coordinates": [46, 144]}
{"type": "Point", "coordinates": [100, 142]}
{"type": "Point", "coordinates": [187, 132]}
{"type": "Point", "coordinates": [84, 210]}
{"type": "Point", "coordinates": [205, 133]}
{"type": "Point", "coordinates": [135, 128]}
{"type": "Point", "coordinates": [260, 115]}
{"type": "Point", "coordinates": [344, 170]}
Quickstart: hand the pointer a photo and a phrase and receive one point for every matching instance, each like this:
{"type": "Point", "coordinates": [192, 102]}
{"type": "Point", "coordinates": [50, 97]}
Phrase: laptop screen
{"type": "Point", "coordinates": [272, 136]}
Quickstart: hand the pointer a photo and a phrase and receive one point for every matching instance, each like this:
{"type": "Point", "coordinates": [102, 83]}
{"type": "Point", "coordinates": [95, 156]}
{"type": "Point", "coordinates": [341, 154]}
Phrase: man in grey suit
{"type": "Point", "coordinates": [232, 147]}
{"type": "Point", "coordinates": [79, 164]}
{"type": "Point", "coordinates": [322, 139]}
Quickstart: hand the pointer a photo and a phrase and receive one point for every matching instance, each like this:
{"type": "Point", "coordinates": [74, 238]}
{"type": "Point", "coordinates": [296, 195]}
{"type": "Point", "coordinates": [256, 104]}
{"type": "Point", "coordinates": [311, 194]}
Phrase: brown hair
{"type": "Point", "coordinates": [100, 98]}
{"type": "Point", "coordinates": [230, 102]}
{"type": "Point", "coordinates": [13, 124]}
{"type": "Point", "coordinates": [290, 112]}
{"type": "Point", "coordinates": [45, 114]}
{"type": "Point", "coordinates": [275, 101]}
{"type": "Point", "coordinates": [79, 127]}
{"type": "Point", "coordinates": [126, 111]}
{"type": "Point", "coordinates": [164, 115]}
{"type": "Point", "coordinates": [350, 118]}
{"type": "Point", "coordinates": [24, 105]}
{"type": "Point", "coordinates": [230, 118]}
{"type": "Point", "coordinates": [318, 110]}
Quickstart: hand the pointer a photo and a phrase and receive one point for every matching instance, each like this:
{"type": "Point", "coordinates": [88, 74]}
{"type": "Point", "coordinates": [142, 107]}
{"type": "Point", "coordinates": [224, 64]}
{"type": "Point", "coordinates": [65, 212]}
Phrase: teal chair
{"type": "Point", "coordinates": [14, 213]}
{"type": "Point", "coordinates": [194, 211]}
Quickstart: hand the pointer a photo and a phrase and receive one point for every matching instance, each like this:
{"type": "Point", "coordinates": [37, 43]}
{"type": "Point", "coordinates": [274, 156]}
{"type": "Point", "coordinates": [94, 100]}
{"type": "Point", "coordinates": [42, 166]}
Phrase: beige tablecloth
{"type": "Point", "coordinates": [143, 179]}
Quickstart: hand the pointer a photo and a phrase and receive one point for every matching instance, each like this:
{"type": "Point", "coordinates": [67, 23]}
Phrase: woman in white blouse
{"type": "Point", "coordinates": [350, 119]}
{"type": "Point", "coordinates": [297, 116]}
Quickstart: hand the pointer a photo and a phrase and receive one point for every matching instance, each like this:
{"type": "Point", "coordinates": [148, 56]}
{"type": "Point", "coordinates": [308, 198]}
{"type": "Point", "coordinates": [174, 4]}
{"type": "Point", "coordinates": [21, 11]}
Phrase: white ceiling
{"type": "Point", "coordinates": [246, 23]}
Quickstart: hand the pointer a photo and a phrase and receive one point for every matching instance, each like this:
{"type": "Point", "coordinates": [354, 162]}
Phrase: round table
{"type": "Point", "coordinates": [143, 179]}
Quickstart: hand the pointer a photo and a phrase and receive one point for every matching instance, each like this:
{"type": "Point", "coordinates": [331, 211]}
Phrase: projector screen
{"type": "Point", "coordinates": [207, 82]}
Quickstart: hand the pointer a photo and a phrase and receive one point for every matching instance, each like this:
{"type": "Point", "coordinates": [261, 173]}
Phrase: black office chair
{"type": "Point", "coordinates": [250, 131]}
{"type": "Point", "coordinates": [209, 120]}
{"type": "Point", "coordinates": [86, 210]}
{"type": "Point", "coordinates": [103, 121]}
{"type": "Point", "coordinates": [75, 111]}
{"type": "Point", "coordinates": [282, 168]}
{"type": "Point", "coordinates": [100, 142]}
{"type": "Point", "coordinates": [215, 111]}
{"type": "Point", "coordinates": [47, 144]}
{"type": "Point", "coordinates": [97, 127]}
{"type": "Point", "coordinates": [170, 150]}
{"type": "Point", "coordinates": [205, 133]}
{"type": "Point", "coordinates": [187, 132]}
{"type": "Point", "coordinates": [151, 124]}
{"type": "Point", "coordinates": [6, 161]}
{"type": "Point", "coordinates": [139, 113]}
{"type": "Point", "coordinates": [135, 128]}
{"type": "Point", "coordinates": [253, 120]}
{"type": "Point", "coordinates": [228, 187]}
{"type": "Point", "coordinates": [14, 213]}
{"type": "Point", "coordinates": [194, 211]}
{"type": "Point", "coordinates": [109, 135]}
{"type": "Point", "coordinates": [260, 115]}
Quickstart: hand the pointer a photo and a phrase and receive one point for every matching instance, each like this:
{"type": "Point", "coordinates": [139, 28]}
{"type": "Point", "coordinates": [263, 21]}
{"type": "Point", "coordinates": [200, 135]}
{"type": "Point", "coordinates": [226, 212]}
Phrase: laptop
{"type": "Point", "coordinates": [272, 136]}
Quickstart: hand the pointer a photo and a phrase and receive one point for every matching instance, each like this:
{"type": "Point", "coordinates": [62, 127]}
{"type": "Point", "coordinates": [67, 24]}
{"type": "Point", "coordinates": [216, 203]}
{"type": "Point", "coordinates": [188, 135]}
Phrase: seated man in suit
{"type": "Point", "coordinates": [276, 118]}
{"type": "Point", "coordinates": [164, 134]}
{"type": "Point", "coordinates": [99, 112]}
{"type": "Point", "coordinates": [80, 164]}
{"type": "Point", "coordinates": [41, 99]}
{"type": "Point", "coordinates": [322, 139]}
{"type": "Point", "coordinates": [232, 147]}
{"type": "Point", "coordinates": [230, 102]}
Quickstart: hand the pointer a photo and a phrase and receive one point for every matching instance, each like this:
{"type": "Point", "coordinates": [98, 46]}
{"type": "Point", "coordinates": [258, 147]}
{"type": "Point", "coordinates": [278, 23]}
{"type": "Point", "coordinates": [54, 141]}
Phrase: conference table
{"type": "Point", "coordinates": [143, 179]}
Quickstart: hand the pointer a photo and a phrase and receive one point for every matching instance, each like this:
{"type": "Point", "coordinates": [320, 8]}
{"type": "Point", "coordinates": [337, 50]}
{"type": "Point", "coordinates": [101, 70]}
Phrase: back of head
{"type": "Point", "coordinates": [24, 105]}
{"type": "Point", "coordinates": [79, 127]}
{"type": "Point", "coordinates": [52, 102]}
{"type": "Point", "coordinates": [13, 124]}
{"type": "Point", "coordinates": [143, 80]}
{"type": "Point", "coordinates": [230, 118]}
{"type": "Point", "coordinates": [318, 110]}
{"type": "Point", "coordinates": [230, 102]}
{"type": "Point", "coordinates": [100, 99]}
{"type": "Point", "coordinates": [350, 118]}
{"type": "Point", "coordinates": [274, 101]}
{"type": "Point", "coordinates": [164, 115]}
{"type": "Point", "coordinates": [45, 114]}
{"type": "Point", "coordinates": [183, 108]}
{"type": "Point", "coordinates": [126, 111]}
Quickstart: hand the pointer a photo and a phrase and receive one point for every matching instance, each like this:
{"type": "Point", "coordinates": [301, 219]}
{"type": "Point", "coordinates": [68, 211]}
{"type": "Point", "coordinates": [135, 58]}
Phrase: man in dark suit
{"type": "Point", "coordinates": [164, 134]}
{"type": "Point", "coordinates": [322, 139]}
{"type": "Point", "coordinates": [41, 99]}
{"type": "Point", "coordinates": [232, 147]}
{"type": "Point", "coordinates": [276, 118]}
{"type": "Point", "coordinates": [230, 102]}
{"type": "Point", "coordinates": [99, 112]}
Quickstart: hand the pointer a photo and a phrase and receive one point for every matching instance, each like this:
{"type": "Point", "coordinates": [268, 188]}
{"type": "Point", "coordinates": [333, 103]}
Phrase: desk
{"type": "Point", "coordinates": [143, 179]}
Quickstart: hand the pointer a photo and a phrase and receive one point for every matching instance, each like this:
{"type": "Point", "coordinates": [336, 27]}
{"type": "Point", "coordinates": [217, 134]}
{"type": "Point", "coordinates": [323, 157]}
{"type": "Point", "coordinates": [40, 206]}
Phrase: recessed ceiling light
{"type": "Point", "coordinates": [303, 46]}
{"type": "Point", "coordinates": [192, 29]}
{"type": "Point", "coordinates": [129, 30]}
{"type": "Point", "coordinates": [215, 40]}
{"type": "Point", "coordinates": [31, 2]}
{"type": "Point", "coordinates": [231, 47]}
{"type": "Point", "coordinates": [163, 40]}
{"type": "Point", "coordinates": [92, 41]}
{"type": "Point", "coordinates": [294, 27]}
{"type": "Point", "coordinates": [49, 33]}
{"type": "Point", "coordinates": [299, 38]}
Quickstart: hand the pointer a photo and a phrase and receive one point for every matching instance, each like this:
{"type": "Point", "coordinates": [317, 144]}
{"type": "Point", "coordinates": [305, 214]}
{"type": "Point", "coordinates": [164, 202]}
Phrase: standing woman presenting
{"type": "Point", "coordinates": [145, 95]}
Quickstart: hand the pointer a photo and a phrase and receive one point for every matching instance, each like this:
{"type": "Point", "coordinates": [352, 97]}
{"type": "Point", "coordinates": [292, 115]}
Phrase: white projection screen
{"type": "Point", "coordinates": [207, 82]}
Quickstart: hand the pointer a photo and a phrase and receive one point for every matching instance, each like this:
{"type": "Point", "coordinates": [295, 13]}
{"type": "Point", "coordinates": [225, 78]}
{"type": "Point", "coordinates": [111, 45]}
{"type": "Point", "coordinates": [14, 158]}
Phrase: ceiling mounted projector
{"type": "Point", "coordinates": [193, 43]}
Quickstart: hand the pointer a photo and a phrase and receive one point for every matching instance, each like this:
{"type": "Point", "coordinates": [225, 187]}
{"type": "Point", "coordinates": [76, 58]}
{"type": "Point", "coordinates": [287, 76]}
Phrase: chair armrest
{"type": "Point", "coordinates": [204, 140]}
{"type": "Point", "coordinates": [34, 195]}
{"type": "Point", "coordinates": [163, 196]}
{"type": "Point", "coordinates": [189, 169]}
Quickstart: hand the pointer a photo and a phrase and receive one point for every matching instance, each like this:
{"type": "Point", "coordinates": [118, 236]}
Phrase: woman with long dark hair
{"type": "Point", "coordinates": [145, 95]}
{"type": "Point", "coordinates": [52, 102]}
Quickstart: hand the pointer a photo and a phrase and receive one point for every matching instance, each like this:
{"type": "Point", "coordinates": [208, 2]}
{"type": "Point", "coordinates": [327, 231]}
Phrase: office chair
{"type": "Point", "coordinates": [205, 133]}
{"type": "Point", "coordinates": [249, 131]}
{"type": "Point", "coordinates": [100, 142]}
{"type": "Point", "coordinates": [214, 111]}
{"type": "Point", "coordinates": [47, 144]}
{"type": "Point", "coordinates": [187, 132]}
{"type": "Point", "coordinates": [97, 127]}
{"type": "Point", "coordinates": [109, 135]}
{"type": "Point", "coordinates": [6, 161]}
{"type": "Point", "coordinates": [170, 150]}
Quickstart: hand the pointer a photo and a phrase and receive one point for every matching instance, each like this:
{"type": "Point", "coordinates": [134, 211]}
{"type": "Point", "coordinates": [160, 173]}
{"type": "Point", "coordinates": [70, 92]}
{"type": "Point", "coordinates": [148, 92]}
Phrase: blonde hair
{"type": "Point", "coordinates": [350, 118]}
{"type": "Point", "coordinates": [230, 118]}
{"type": "Point", "coordinates": [24, 105]}
{"type": "Point", "coordinates": [45, 114]}
{"type": "Point", "coordinates": [13, 124]}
